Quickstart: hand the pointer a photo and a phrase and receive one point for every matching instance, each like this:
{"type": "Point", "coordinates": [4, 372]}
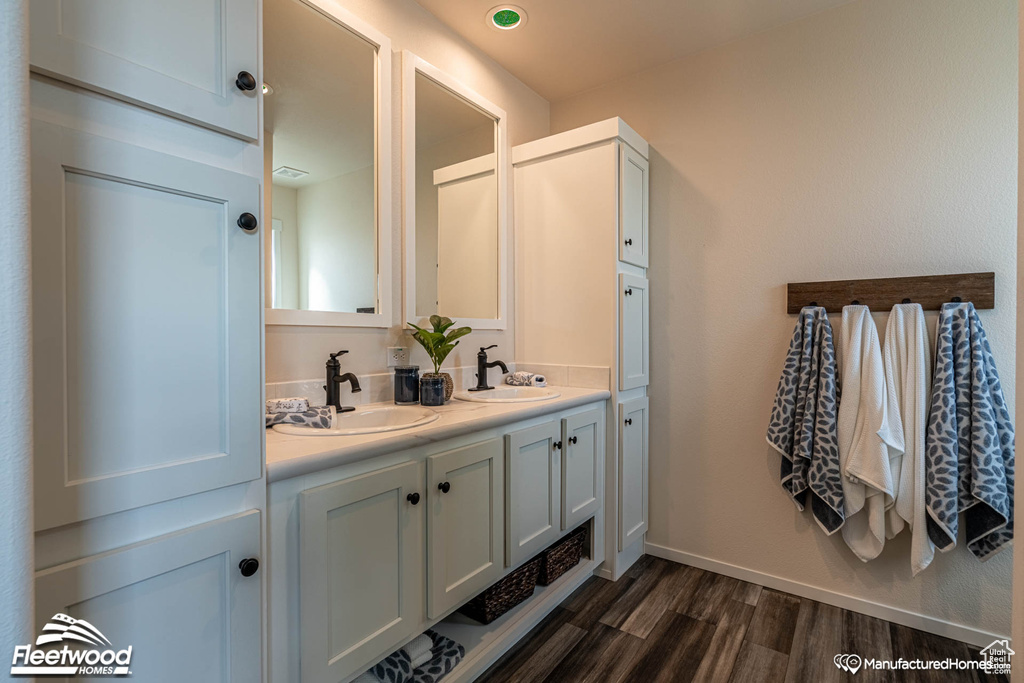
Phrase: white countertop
{"type": "Point", "coordinates": [292, 456]}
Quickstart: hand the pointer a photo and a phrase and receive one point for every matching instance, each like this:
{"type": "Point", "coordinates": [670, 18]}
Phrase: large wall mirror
{"type": "Point", "coordinates": [455, 199]}
{"type": "Point", "coordinates": [327, 156]}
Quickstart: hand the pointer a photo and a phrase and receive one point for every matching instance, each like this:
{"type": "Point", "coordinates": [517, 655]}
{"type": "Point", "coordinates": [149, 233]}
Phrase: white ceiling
{"type": "Point", "coordinates": [568, 46]}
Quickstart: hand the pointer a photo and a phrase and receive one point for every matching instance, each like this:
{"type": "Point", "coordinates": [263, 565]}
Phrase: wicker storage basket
{"type": "Point", "coordinates": [562, 556]}
{"type": "Point", "coordinates": [504, 595]}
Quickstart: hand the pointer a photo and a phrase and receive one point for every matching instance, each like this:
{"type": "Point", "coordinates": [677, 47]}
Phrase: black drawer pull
{"type": "Point", "coordinates": [244, 81]}
{"type": "Point", "coordinates": [248, 222]}
{"type": "Point", "coordinates": [444, 487]}
{"type": "Point", "coordinates": [629, 242]}
{"type": "Point", "coordinates": [249, 566]}
{"type": "Point", "coordinates": [557, 445]}
{"type": "Point", "coordinates": [572, 440]}
{"type": "Point", "coordinates": [629, 421]}
{"type": "Point", "coordinates": [413, 498]}
{"type": "Point", "coordinates": [629, 292]}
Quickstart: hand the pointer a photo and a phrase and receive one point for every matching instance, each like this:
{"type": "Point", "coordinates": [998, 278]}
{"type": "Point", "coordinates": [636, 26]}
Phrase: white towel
{"type": "Point", "coordinates": [522, 378]}
{"type": "Point", "coordinates": [908, 375]}
{"type": "Point", "coordinates": [866, 437]}
{"type": "Point", "coordinates": [296, 404]}
{"type": "Point", "coordinates": [418, 650]}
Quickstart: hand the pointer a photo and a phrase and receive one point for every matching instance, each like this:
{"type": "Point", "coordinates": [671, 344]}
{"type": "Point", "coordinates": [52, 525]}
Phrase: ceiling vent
{"type": "Point", "coordinates": [289, 173]}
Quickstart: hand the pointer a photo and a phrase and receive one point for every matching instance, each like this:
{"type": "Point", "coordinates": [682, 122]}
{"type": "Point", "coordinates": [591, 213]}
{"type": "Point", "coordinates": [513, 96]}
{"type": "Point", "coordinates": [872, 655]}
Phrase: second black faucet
{"type": "Point", "coordinates": [481, 368]}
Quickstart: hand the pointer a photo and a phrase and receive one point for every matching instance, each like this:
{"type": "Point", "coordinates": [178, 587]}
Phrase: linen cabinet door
{"type": "Point", "coordinates": [184, 602]}
{"type": "Point", "coordinates": [465, 523]}
{"type": "Point", "coordinates": [582, 458]}
{"type": "Point", "coordinates": [362, 570]}
{"type": "Point", "coordinates": [633, 430]}
{"type": "Point", "coordinates": [183, 58]}
{"type": "Point", "coordinates": [146, 326]}
{"type": "Point", "coordinates": [634, 332]}
{"type": "Point", "coordinates": [634, 193]}
{"type": "Point", "coordinates": [533, 490]}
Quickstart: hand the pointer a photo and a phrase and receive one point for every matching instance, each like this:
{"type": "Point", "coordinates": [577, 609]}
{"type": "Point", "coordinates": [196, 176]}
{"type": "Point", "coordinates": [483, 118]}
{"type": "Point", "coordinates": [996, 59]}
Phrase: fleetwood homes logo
{"type": "Point", "coordinates": [85, 652]}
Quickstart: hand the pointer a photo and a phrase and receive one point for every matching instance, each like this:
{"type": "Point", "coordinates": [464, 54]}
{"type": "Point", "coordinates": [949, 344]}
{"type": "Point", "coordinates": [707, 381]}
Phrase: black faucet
{"type": "Point", "coordinates": [481, 368]}
{"type": "Point", "coordinates": [334, 379]}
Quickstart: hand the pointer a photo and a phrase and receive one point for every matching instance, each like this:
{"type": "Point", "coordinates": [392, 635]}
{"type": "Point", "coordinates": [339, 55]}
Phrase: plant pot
{"type": "Point", "coordinates": [449, 383]}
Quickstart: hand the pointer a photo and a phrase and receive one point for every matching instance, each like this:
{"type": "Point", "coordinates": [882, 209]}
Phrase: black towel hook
{"type": "Point", "coordinates": [813, 303]}
{"type": "Point", "coordinates": [906, 301]}
{"type": "Point", "coordinates": [957, 300]}
{"type": "Point", "coordinates": [855, 302]}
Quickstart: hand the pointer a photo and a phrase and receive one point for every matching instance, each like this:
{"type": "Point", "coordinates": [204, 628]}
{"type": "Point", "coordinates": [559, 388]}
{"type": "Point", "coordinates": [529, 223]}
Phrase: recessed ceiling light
{"type": "Point", "coordinates": [506, 17]}
{"type": "Point", "coordinates": [267, 90]}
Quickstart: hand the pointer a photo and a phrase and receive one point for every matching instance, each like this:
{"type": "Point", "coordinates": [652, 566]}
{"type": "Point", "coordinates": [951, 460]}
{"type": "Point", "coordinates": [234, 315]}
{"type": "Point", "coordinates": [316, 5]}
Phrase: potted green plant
{"type": "Point", "coordinates": [438, 342]}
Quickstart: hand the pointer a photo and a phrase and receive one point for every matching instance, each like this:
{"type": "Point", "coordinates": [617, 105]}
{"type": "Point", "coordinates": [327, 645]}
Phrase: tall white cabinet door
{"type": "Point", "coordinates": [533, 490]}
{"type": "Point", "coordinates": [582, 458]}
{"type": "Point", "coordinates": [634, 198]}
{"type": "Point", "coordinates": [634, 332]}
{"type": "Point", "coordinates": [361, 563]}
{"type": "Point", "coordinates": [180, 601]}
{"type": "Point", "coordinates": [465, 524]}
{"type": "Point", "coordinates": [181, 57]}
{"type": "Point", "coordinates": [146, 326]}
{"type": "Point", "coordinates": [633, 430]}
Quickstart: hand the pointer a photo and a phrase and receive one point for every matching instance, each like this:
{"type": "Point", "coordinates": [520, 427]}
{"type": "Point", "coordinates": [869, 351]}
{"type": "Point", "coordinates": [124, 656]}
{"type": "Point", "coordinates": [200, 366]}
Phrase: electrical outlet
{"type": "Point", "coordinates": [397, 355]}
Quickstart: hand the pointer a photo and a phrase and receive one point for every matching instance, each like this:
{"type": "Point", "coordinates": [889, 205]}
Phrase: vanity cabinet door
{"type": "Point", "coordinates": [634, 332]}
{"type": "Point", "coordinates": [361, 567]}
{"type": "Point", "coordinates": [181, 58]}
{"type": "Point", "coordinates": [180, 601]}
{"type": "Point", "coordinates": [633, 429]}
{"type": "Point", "coordinates": [582, 458]}
{"type": "Point", "coordinates": [634, 195]}
{"type": "Point", "coordinates": [465, 523]}
{"type": "Point", "coordinates": [533, 490]}
{"type": "Point", "coordinates": [146, 326]}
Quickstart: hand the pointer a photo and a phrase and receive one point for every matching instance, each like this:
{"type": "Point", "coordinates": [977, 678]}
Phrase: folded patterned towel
{"type": "Point", "coordinates": [526, 379]}
{"type": "Point", "coordinates": [803, 425]}
{"type": "Point", "coordinates": [395, 668]}
{"type": "Point", "coordinates": [418, 650]}
{"type": "Point", "coordinates": [870, 436]}
{"type": "Point", "coordinates": [287, 405]}
{"type": "Point", "coordinates": [970, 440]}
{"type": "Point", "coordinates": [445, 656]}
{"type": "Point", "coordinates": [318, 418]}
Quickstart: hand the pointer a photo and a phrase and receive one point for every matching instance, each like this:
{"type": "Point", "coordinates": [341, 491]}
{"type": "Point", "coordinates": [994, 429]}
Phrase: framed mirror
{"type": "Point", "coordinates": [327, 161]}
{"type": "Point", "coordinates": [455, 199]}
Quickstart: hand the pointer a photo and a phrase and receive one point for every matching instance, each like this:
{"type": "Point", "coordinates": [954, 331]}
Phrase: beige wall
{"type": "Point", "coordinates": [875, 139]}
{"type": "Point", "coordinates": [298, 353]}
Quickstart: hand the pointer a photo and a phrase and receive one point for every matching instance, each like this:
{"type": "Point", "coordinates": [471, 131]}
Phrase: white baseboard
{"type": "Point", "coordinates": [934, 625]}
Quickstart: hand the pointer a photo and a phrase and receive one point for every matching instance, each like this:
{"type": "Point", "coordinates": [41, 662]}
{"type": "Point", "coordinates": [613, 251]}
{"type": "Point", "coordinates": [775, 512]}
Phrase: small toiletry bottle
{"type": "Point", "coordinates": [407, 384]}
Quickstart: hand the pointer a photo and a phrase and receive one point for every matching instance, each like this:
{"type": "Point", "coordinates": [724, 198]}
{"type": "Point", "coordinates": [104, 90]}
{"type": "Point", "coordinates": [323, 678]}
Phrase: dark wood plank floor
{"type": "Point", "coordinates": [666, 622]}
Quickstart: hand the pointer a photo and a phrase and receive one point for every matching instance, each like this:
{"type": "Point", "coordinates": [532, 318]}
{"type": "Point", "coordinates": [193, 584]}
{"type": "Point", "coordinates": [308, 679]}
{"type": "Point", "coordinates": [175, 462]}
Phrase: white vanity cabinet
{"type": "Point", "coordinates": [362, 569]}
{"type": "Point", "coordinates": [582, 466]}
{"type": "Point", "coordinates": [632, 493]}
{"type": "Point", "coordinates": [634, 332]}
{"type": "Point", "coordinates": [533, 474]}
{"type": "Point", "coordinates": [465, 527]}
{"type": "Point", "coordinates": [634, 194]}
{"type": "Point", "coordinates": [181, 58]}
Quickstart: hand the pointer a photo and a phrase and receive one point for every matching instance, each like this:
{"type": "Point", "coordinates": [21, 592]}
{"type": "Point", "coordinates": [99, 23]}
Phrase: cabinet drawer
{"type": "Point", "coordinates": [582, 466]}
{"type": "Point", "coordinates": [465, 523]}
{"type": "Point", "coordinates": [362, 568]}
{"type": "Point", "coordinates": [181, 58]}
{"type": "Point", "coordinates": [633, 484]}
{"type": "Point", "coordinates": [634, 193]}
{"type": "Point", "coordinates": [634, 332]}
{"type": "Point", "coordinates": [179, 600]}
{"type": "Point", "coordinates": [533, 490]}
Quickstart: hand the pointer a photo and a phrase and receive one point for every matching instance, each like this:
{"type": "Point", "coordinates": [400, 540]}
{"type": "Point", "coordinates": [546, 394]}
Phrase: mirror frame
{"type": "Point", "coordinates": [383, 197]}
{"type": "Point", "coordinates": [411, 65]}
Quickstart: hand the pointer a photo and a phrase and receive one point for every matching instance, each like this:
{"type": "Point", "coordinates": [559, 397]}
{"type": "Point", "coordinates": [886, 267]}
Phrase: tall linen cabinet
{"type": "Point", "coordinates": [582, 295]}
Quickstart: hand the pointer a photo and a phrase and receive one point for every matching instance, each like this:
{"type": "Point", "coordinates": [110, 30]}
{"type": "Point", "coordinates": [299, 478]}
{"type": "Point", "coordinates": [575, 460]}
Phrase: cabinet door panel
{"type": "Point", "coordinates": [634, 332]}
{"type": "Point", "coordinates": [533, 475]}
{"type": "Point", "coordinates": [582, 466]}
{"type": "Point", "coordinates": [180, 57]}
{"type": "Point", "coordinates": [465, 523]}
{"type": "Point", "coordinates": [633, 202]}
{"type": "Point", "coordinates": [146, 325]}
{"type": "Point", "coordinates": [178, 600]}
{"type": "Point", "coordinates": [633, 430]}
{"type": "Point", "coordinates": [362, 568]}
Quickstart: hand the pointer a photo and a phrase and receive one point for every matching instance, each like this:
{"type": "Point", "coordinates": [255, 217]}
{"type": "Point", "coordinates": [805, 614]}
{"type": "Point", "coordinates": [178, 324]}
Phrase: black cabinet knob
{"type": "Point", "coordinates": [444, 486]}
{"type": "Point", "coordinates": [248, 222]}
{"type": "Point", "coordinates": [245, 81]}
{"type": "Point", "coordinates": [629, 292]}
{"type": "Point", "coordinates": [249, 566]}
{"type": "Point", "coordinates": [629, 243]}
{"type": "Point", "coordinates": [629, 420]}
{"type": "Point", "coordinates": [572, 440]}
{"type": "Point", "coordinates": [557, 445]}
{"type": "Point", "coordinates": [413, 498]}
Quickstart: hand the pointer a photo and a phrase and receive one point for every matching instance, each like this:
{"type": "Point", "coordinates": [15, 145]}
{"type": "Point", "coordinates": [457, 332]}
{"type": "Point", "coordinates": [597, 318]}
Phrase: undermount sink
{"type": "Point", "coordinates": [508, 394]}
{"type": "Point", "coordinates": [368, 420]}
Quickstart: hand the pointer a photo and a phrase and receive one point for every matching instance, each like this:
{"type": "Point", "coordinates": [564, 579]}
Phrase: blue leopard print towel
{"type": "Point", "coordinates": [969, 444]}
{"type": "Point", "coordinates": [804, 422]}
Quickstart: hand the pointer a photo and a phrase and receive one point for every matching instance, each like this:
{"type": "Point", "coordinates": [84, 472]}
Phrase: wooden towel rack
{"type": "Point", "coordinates": [881, 294]}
